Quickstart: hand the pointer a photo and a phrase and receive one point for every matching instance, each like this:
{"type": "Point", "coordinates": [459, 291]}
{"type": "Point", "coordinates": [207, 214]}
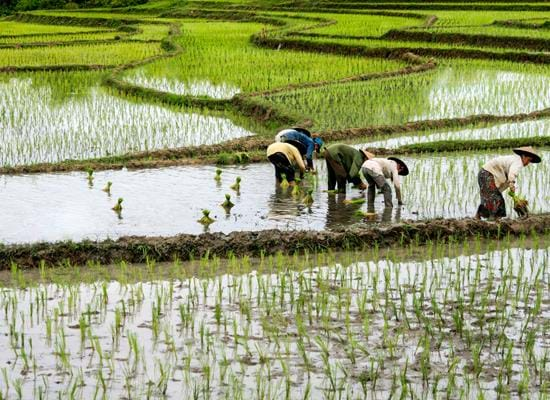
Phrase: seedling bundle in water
{"type": "Point", "coordinates": [205, 219]}
{"type": "Point", "coordinates": [237, 185]}
{"type": "Point", "coordinates": [284, 181]}
{"type": "Point", "coordinates": [227, 204]}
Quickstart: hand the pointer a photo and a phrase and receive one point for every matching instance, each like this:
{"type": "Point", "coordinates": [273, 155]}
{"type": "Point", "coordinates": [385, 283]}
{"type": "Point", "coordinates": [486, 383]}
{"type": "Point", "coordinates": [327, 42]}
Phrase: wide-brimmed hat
{"type": "Point", "coordinates": [529, 152]}
{"type": "Point", "coordinates": [302, 130]}
{"type": "Point", "coordinates": [404, 170]}
{"type": "Point", "coordinates": [367, 154]}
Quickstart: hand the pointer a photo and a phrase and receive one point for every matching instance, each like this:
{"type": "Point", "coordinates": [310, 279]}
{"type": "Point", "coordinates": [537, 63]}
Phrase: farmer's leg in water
{"type": "Point", "coordinates": [376, 180]}
{"type": "Point", "coordinates": [331, 176]}
{"type": "Point", "coordinates": [281, 164]}
{"type": "Point", "coordinates": [492, 203]}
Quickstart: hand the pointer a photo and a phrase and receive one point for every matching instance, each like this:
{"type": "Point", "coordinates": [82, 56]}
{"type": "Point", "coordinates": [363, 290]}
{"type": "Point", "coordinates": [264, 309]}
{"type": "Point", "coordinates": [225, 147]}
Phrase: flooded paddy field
{"type": "Point", "coordinates": [168, 201]}
{"type": "Point", "coordinates": [457, 321]}
{"type": "Point", "coordinates": [450, 91]}
{"type": "Point", "coordinates": [54, 116]}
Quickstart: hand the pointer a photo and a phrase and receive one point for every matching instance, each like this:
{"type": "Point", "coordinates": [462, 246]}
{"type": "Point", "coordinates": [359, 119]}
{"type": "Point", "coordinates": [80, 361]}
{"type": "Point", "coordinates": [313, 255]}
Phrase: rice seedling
{"type": "Point", "coordinates": [237, 185]}
{"type": "Point", "coordinates": [107, 188]}
{"type": "Point", "coordinates": [218, 176]}
{"type": "Point", "coordinates": [308, 199]}
{"type": "Point", "coordinates": [227, 204]}
{"type": "Point", "coordinates": [284, 182]}
{"type": "Point", "coordinates": [118, 206]}
{"type": "Point", "coordinates": [205, 220]}
{"type": "Point", "coordinates": [13, 28]}
{"type": "Point", "coordinates": [292, 325]}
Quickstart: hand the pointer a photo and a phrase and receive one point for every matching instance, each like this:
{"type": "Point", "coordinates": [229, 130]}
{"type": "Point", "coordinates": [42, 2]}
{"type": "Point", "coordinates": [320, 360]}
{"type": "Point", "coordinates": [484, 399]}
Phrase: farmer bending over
{"type": "Point", "coordinates": [344, 164]}
{"type": "Point", "coordinates": [377, 170]}
{"type": "Point", "coordinates": [500, 174]}
{"type": "Point", "coordinates": [286, 159]}
{"type": "Point", "coordinates": [301, 139]}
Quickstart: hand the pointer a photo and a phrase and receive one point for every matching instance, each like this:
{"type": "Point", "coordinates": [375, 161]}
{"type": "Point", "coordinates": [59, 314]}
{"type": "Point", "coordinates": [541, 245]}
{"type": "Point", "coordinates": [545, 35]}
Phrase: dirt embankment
{"type": "Point", "coordinates": [184, 247]}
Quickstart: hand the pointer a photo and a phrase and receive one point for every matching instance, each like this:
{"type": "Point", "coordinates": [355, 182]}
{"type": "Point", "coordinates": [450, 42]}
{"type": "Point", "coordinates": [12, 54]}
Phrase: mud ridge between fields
{"type": "Point", "coordinates": [135, 249]}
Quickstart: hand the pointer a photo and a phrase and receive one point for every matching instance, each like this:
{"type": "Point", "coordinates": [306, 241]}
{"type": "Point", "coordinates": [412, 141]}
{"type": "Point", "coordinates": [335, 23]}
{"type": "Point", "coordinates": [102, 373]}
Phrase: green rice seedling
{"type": "Point", "coordinates": [107, 188]}
{"type": "Point", "coordinates": [205, 220]}
{"type": "Point", "coordinates": [227, 204]}
{"type": "Point", "coordinates": [284, 182]}
{"type": "Point", "coordinates": [218, 176]}
{"type": "Point", "coordinates": [237, 185]}
{"type": "Point", "coordinates": [90, 172]}
{"type": "Point", "coordinates": [308, 199]}
{"type": "Point", "coordinates": [118, 206]}
{"type": "Point", "coordinates": [296, 190]}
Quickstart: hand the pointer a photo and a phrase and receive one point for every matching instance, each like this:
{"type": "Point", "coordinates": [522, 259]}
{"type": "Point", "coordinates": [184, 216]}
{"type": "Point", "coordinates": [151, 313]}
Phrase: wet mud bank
{"type": "Point", "coordinates": [136, 249]}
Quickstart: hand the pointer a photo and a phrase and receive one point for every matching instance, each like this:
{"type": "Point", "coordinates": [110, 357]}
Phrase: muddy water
{"type": "Point", "coordinates": [168, 201]}
{"type": "Point", "coordinates": [364, 328]}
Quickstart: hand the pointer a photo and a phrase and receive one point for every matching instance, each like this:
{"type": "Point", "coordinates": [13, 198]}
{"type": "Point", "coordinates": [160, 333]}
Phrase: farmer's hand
{"type": "Point", "coordinates": [512, 187]}
{"type": "Point", "coordinates": [362, 186]}
{"type": "Point", "coordinates": [400, 203]}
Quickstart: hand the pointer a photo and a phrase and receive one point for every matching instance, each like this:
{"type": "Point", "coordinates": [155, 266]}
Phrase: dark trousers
{"type": "Point", "coordinates": [336, 174]}
{"type": "Point", "coordinates": [282, 166]}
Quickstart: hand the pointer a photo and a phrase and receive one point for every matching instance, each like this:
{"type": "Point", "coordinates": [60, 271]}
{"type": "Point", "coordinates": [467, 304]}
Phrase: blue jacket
{"type": "Point", "coordinates": [303, 139]}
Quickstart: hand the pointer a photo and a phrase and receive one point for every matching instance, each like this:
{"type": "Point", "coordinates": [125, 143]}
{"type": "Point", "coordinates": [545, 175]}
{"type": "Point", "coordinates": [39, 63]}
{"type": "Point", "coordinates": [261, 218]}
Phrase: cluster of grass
{"type": "Point", "coordinates": [353, 325]}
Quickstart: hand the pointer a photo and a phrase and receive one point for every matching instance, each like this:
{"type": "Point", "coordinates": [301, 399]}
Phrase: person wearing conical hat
{"type": "Point", "coordinates": [376, 171]}
{"type": "Point", "coordinates": [344, 165]}
{"type": "Point", "coordinates": [500, 174]}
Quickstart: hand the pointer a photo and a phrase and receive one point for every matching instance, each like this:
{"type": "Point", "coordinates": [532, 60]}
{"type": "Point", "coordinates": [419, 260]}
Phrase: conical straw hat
{"type": "Point", "coordinates": [528, 151]}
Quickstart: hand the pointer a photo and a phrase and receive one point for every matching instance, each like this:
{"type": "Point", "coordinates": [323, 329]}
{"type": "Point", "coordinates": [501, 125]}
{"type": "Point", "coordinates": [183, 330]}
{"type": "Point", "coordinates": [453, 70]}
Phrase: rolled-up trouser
{"type": "Point", "coordinates": [376, 180]}
{"type": "Point", "coordinates": [282, 166]}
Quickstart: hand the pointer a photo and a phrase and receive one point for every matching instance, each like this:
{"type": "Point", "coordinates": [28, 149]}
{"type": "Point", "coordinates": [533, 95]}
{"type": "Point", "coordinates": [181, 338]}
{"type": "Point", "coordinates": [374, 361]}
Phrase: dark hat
{"type": "Point", "coordinates": [529, 152]}
{"type": "Point", "coordinates": [302, 130]}
{"type": "Point", "coordinates": [405, 170]}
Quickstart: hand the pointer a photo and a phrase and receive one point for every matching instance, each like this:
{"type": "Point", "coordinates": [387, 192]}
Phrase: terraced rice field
{"type": "Point", "coordinates": [115, 123]}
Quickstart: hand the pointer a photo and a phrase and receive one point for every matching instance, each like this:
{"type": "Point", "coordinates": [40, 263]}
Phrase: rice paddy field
{"type": "Point", "coordinates": [146, 250]}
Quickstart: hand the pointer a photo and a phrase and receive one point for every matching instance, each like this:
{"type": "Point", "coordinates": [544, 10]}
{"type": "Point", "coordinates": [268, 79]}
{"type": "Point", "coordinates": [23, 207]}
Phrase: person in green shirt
{"type": "Point", "coordinates": [344, 164]}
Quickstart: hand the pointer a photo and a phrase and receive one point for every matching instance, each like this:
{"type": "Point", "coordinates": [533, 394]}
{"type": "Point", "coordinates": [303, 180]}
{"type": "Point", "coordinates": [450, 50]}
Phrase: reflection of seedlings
{"type": "Point", "coordinates": [308, 200]}
{"type": "Point", "coordinates": [284, 181]}
{"type": "Point", "coordinates": [90, 176]}
{"type": "Point", "coordinates": [118, 206]}
{"type": "Point", "coordinates": [107, 188]}
{"type": "Point", "coordinates": [237, 185]}
{"type": "Point", "coordinates": [296, 188]}
{"type": "Point", "coordinates": [205, 219]}
{"type": "Point", "coordinates": [218, 176]}
{"type": "Point", "coordinates": [227, 204]}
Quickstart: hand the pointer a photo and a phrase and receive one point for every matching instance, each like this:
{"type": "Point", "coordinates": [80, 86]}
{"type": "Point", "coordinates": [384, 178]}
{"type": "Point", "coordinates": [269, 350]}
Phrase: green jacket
{"type": "Point", "coordinates": [350, 158]}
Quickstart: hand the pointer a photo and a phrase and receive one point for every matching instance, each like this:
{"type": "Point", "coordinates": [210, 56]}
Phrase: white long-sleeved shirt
{"type": "Point", "coordinates": [505, 169]}
{"type": "Point", "coordinates": [383, 166]}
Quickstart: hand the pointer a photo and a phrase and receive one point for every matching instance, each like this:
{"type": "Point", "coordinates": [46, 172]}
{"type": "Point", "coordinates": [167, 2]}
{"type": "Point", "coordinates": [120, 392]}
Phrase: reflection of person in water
{"type": "Point", "coordinates": [340, 214]}
{"type": "Point", "coordinates": [282, 206]}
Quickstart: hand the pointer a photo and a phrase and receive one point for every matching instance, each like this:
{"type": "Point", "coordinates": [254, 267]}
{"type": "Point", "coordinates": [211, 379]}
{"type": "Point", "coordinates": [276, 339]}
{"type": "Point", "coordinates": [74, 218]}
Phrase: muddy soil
{"type": "Point", "coordinates": [137, 249]}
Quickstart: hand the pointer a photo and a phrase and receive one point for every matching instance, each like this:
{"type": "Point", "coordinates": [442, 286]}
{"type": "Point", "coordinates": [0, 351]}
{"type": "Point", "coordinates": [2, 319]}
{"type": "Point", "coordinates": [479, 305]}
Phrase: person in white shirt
{"type": "Point", "coordinates": [377, 170]}
{"type": "Point", "coordinates": [500, 174]}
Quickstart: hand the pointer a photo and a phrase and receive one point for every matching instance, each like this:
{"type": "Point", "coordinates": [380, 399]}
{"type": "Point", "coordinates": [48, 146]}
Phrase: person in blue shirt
{"type": "Point", "coordinates": [302, 139]}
